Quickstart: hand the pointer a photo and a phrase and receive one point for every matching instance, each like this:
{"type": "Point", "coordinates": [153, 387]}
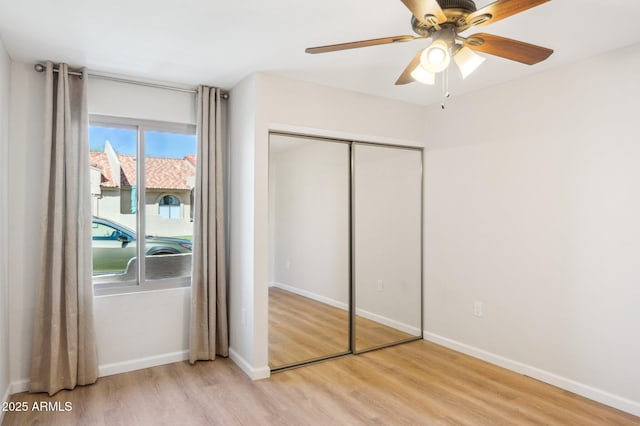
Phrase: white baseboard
{"type": "Point", "coordinates": [414, 331]}
{"type": "Point", "coordinates": [154, 361]}
{"type": "Point", "coordinates": [310, 295]}
{"type": "Point", "coordinates": [140, 363]}
{"type": "Point", "coordinates": [253, 373]}
{"type": "Point", "coordinates": [19, 386]}
{"type": "Point", "coordinates": [119, 367]}
{"type": "Point", "coordinates": [615, 401]}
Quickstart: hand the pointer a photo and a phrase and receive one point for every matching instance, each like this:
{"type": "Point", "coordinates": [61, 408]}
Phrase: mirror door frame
{"type": "Point", "coordinates": [352, 350]}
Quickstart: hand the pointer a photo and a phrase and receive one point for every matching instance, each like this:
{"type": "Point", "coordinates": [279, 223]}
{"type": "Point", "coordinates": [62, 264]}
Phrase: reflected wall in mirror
{"type": "Point", "coordinates": [387, 245]}
{"type": "Point", "coordinates": [309, 260]}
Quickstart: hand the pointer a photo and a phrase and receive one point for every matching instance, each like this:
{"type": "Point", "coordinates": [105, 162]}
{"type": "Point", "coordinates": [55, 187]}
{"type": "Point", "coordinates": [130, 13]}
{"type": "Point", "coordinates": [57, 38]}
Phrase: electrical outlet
{"type": "Point", "coordinates": [477, 309]}
{"type": "Point", "coordinates": [244, 317]}
{"type": "Point", "coordinates": [380, 285]}
{"type": "Point", "coordinates": [287, 264]}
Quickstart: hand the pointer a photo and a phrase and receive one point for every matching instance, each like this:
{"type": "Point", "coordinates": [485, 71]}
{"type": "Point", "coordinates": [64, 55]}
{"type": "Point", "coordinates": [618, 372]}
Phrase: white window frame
{"type": "Point", "coordinates": [141, 126]}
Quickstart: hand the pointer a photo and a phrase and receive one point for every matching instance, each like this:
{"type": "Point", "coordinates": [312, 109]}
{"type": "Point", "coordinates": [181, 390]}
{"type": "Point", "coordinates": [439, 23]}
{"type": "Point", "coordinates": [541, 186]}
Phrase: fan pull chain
{"type": "Point", "coordinates": [445, 88]}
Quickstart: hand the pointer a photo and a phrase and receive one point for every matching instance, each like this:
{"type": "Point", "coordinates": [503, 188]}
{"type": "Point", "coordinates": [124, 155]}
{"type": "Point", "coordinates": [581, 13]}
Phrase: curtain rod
{"type": "Point", "coordinates": [41, 68]}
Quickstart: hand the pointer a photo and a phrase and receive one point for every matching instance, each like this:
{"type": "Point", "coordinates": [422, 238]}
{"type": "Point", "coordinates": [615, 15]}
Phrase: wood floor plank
{"type": "Point", "coordinates": [414, 383]}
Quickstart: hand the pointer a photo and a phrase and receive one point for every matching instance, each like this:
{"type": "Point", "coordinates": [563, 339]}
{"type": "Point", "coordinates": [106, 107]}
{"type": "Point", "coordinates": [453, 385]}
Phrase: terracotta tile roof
{"type": "Point", "coordinates": [191, 159]}
{"type": "Point", "coordinates": [162, 173]}
{"type": "Point", "coordinates": [127, 170]}
{"type": "Point", "coordinates": [168, 173]}
{"type": "Point", "coordinates": [99, 160]}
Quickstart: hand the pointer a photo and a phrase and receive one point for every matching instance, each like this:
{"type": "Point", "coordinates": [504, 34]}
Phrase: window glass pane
{"type": "Point", "coordinates": [170, 169]}
{"type": "Point", "coordinates": [113, 196]}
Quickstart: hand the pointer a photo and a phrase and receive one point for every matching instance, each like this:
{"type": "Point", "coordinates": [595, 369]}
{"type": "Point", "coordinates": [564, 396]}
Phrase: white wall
{"type": "Point", "coordinates": [25, 135]}
{"type": "Point", "coordinates": [309, 237]}
{"type": "Point", "coordinates": [243, 325]}
{"type": "Point", "coordinates": [5, 67]}
{"type": "Point", "coordinates": [133, 330]}
{"type": "Point", "coordinates": [139, 330]}
{"type": "Point", "coordinates": [141, 102]}
{"type": "Point", "coordinates": [539, 221]}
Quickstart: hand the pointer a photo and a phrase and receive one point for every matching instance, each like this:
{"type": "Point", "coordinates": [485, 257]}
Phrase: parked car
{"type": "Point", "coordinates": [115, 244]}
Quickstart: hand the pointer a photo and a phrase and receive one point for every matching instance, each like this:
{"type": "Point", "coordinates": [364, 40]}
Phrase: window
{"type": "Point", "coordinates": [169, 207]}
{"type": "Point", "coordinates": [144, 175]}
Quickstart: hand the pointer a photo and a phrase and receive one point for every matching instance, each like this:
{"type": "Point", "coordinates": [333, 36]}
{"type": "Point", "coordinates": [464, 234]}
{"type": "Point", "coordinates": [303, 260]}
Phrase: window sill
{"type": "Point", "coordinates": [114, 289]}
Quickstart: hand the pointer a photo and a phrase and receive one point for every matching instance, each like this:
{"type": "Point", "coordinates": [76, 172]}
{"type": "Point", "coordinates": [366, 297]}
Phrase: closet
{"type": "Point", "coordinates": [345, 247]}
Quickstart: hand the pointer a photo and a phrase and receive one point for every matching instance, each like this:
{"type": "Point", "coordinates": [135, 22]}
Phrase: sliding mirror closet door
{"type": "Point", "coordinates": [309, 231]}
{"type": "Point", "coordinates": [387, 216]}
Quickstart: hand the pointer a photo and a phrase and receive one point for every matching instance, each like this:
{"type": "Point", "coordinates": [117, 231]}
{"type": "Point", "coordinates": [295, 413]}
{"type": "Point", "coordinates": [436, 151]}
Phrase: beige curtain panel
{"type": "Point", "coordinates": [209, 333]}
{"type": "Point", "coordinates": [64, 350]}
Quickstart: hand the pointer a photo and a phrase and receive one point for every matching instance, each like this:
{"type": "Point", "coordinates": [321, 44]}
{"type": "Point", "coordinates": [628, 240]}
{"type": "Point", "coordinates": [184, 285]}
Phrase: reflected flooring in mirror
{"type": "Point", "coordinates": [302, 329]}
{"type": "Point", "coordinates": [371, 334]}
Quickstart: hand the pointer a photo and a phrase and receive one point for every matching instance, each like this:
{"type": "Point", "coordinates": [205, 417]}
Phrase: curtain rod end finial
{"type": "Point", "coordinates": [39, 67]}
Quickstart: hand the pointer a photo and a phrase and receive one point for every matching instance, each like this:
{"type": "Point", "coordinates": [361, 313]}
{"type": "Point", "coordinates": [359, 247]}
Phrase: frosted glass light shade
{"type": "Point", "coordinates": [435, 58]}
{"type": "Point", "coordinates": [423, 76]}
{"type": "Point", "coordinates": [468, 61]}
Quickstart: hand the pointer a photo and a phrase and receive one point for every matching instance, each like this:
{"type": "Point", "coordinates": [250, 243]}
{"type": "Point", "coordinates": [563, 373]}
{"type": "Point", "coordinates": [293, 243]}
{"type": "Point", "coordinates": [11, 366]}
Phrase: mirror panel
{"type": "Point", "coordinates": [309, 261]}
{"type": "Point", "coordinates": [387, 230]}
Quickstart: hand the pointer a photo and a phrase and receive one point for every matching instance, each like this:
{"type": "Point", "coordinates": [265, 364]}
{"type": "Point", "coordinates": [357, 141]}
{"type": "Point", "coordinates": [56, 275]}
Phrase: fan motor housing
{"type": "Point", "coordinates": [456, 12]}
{"type": "Point", "coordinates": [468, 5]}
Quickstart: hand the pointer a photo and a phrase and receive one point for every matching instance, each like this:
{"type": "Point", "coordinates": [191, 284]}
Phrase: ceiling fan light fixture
{"type": "Point", "coordinates": [436, 57]}
{"type": "Point", "coordinates": [442, 21]}
{"type": "Point", "coordinates": [468, 61]}
{"type": "Point", "coordinates": [423, 76]}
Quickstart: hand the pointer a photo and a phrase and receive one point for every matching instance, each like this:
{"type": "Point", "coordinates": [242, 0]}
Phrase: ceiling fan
{"type": "Point", "coordinates": [443, 21]}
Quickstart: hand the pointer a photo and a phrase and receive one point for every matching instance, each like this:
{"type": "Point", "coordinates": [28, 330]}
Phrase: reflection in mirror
{"type": "Point", "coordinates": [388, 245]}
{"type": "Point", "coordinates": [308, 249]}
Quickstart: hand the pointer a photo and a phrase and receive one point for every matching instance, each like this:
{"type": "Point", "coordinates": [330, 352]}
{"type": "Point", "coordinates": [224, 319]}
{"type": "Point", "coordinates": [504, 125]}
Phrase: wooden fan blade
{"type": "Point", "coordinates": [501, 9]}
{"type": "Point", "coordinates": [422, 8]}
{"type": "Point", "coordinates": [507, 48]}
{"type": "Point", "coordinates": [405, 77]}
{"type": "Point", "coordinates": [356, 44]}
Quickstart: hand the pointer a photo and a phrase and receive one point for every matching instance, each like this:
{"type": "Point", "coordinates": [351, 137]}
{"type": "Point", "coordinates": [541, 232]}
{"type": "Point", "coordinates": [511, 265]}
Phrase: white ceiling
{"type": "Point", "coordinates": [220, 42]}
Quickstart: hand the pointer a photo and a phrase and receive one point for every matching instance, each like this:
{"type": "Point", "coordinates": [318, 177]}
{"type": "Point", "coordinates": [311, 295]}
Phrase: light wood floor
{"type": "Point", "coordinates": [415, 383]}
{"type": "Point", "coordinates": [302, 329]}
